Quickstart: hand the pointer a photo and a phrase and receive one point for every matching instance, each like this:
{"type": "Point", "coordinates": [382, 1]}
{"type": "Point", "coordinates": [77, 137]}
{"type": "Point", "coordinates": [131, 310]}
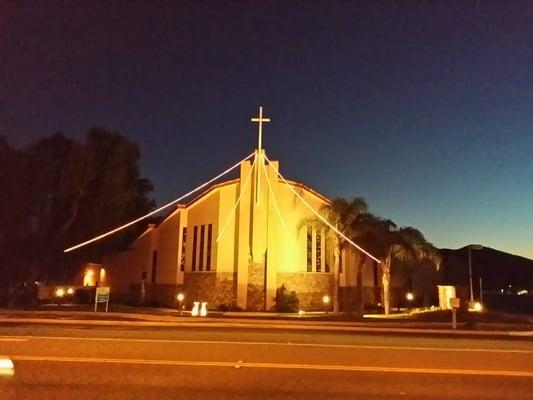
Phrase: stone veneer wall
{"type": "Point", "coordinates": [157, 294]}
{"type": "Point", "coordinates": [348, 298]}
{"type": "Point", "coordinates": [309, 286]}
{"type": "Point", "coordinates": [256, 287]}
{"type": "Point", "coordinates": [216, 288]}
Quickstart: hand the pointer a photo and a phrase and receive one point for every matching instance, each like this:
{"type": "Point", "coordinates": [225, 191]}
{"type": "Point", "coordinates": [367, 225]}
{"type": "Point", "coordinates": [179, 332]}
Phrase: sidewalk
{"type": "Point", "coordinates": [254, 321]}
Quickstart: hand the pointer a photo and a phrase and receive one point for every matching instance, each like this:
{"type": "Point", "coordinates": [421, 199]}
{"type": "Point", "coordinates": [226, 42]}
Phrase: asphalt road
{"type": "Point", "coordinates": [232, 363]}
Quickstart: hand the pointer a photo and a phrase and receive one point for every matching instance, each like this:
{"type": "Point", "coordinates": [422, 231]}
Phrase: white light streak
{"type": "Point", "coordinates": [237, 202]}
{"type": "Point", "coordinates": [276, 205]}
{"type": "Point", "coordinates": [6, 367]}
{"type": "Point", "coordinates": [117, 229]}
{"type": "Point", "coordinates": [320, 216]}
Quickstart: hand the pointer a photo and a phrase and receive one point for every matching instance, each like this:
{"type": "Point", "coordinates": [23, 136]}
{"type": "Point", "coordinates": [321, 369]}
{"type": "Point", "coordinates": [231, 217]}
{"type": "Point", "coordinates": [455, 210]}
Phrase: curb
{"type": "Point", "coordinates": [254, 324]}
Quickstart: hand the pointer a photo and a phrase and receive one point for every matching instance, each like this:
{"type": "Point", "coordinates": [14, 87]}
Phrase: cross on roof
{"type": "Point", "coordinates": [260, 120]}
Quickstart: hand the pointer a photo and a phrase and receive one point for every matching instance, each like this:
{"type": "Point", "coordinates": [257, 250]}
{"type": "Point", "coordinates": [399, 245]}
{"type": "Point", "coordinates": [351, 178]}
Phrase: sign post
{"type": "Point", "coordinates": [454, 304]}
{"type": "Point", "coordinates": [101, 296]}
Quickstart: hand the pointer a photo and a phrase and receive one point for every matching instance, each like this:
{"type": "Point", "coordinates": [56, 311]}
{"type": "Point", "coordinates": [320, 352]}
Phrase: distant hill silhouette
{"type": "Point", "coordinates": [497, 269]}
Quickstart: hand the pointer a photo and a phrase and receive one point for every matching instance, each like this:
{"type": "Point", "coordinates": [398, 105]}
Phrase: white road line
{"type": "Point", "coordinates": [13, 339]}
{"type": "Point", "coordinates": [290, 344]}
{"type": "Point", "coordinates": [241, 365]}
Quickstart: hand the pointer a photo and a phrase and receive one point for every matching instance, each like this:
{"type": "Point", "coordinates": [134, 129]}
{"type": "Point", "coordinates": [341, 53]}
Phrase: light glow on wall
{"type": "Point", "coordinates": [320, 216]}
{"type": "Point", "coordinates": [276, 205]}
{"type": "Point", "coordinates": [230, 216]}
{"type": "Point", "coordinates": [88, 278]}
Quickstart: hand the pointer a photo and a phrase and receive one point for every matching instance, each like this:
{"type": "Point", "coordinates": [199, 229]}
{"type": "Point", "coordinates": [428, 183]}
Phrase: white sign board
{"type": "Point", "coordinates": [101, 296]}
{"type": "Point", "coordinates": [454, 302]}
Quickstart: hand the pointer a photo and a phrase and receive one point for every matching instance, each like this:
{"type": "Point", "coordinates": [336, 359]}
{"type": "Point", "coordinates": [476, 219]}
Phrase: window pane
{"type": "Point", "coordinates": [309, 249]}
{"type": "Point", "coordinates": [318, 252]}
{"type": "Point", "coordinates": [183, 242]}
{"type": "Point", "coordinates": [202, 235]}
{"type": "Point", "coordinates": [209, 239]}
{"type": "Point", "coordinates": [194, 238]}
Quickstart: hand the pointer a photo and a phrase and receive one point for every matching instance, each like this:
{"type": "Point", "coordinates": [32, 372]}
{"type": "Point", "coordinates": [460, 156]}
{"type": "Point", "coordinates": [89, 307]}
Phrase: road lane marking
{"type": "Point", "coordinates": [292, 344]}
{"type": "Point", "coordinates": [13, 339]}
{"type": "Point", "coordinates": [324, 367]}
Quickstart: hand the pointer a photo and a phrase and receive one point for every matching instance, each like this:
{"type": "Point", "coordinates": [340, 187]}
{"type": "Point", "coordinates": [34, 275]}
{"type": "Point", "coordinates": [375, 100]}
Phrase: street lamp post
{"type": "Point", "coordinates": [472, 247]}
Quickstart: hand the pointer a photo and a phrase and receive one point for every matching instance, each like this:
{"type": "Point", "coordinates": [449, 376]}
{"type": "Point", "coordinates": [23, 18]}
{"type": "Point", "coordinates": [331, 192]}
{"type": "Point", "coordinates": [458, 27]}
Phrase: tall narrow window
{"type": "Point", "coordinates": [154, 265]}
{"type": "Point", "coordinates": [340, 260]}
{"type": "Point", "coordinates": [183, 242]}
{"type": "Point", "coordinates": [318, 252]}
{"type": "Point", "coordinates": [309, 249]}
{"type": "Point", "coordinates": [327, 259]}
{"type": "Point", "coordinates": [202, 235]}
{"type": "Point", "coordinates": [194, 241]}
{"type": "Point", "coordinates": [209, 240]}
{"type": "Point", "coordinates": [376, 274]}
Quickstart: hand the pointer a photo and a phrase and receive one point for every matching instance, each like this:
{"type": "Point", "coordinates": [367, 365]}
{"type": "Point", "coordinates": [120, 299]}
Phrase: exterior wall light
{"type": "Point", "coordinates": [60, 292]}
{"type": "Point", "coordinates": [409, 296]}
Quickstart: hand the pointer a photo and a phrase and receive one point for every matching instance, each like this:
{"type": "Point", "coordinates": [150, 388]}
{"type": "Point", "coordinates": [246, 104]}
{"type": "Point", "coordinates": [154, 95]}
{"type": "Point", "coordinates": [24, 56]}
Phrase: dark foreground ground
{"type": "Point", "coordinates": [234, 363]}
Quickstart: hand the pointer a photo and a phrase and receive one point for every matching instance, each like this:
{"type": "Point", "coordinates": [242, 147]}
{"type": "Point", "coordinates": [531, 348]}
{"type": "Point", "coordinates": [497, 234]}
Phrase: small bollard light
{"type": "Point", "coordinates": [70, 291]}
{"type": "Point", "coordinates": [476, 307]}
{"type": "Point", "coordinates": [301, 313]}
{"type": "Point", "coordinates": [60, 292]}
{"type": "Point", "coordinates": [180, 297]}
{"type": "Point", "coordinates": [326, 299]}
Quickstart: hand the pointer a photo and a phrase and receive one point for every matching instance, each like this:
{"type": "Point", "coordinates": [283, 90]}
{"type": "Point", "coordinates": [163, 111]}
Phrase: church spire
{"type": "Point", "coordinates": [259, 152]}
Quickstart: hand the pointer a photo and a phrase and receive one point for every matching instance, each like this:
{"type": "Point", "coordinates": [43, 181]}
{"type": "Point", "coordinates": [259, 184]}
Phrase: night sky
{"type": "Point", "coordinates": [425, 110]}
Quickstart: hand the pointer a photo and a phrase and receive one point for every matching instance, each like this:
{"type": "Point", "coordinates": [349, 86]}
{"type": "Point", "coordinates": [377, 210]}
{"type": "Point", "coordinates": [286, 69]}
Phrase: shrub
{"type": "Point", "coordinates": [83, 296]}
{"type": "Point", "coordinates": [286, 301]}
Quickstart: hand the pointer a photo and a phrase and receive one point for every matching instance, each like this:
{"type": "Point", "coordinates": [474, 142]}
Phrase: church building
{"type": "Point", "coordinates": [236, 243]}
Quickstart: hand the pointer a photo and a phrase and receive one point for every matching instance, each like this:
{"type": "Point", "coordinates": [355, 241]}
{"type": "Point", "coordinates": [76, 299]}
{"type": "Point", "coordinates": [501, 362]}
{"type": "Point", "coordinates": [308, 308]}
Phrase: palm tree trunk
{"type": "Point", "coordinates": [337, 264]}
{"type": "Point", "coordinates": [385, 279]}
{"type": "Point", "coordinates": [359, 283]}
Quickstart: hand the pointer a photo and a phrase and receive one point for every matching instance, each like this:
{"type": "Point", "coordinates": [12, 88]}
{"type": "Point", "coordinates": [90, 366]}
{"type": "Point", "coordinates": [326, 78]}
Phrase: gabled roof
{"type": "Point", "coordinates": [234, 181]}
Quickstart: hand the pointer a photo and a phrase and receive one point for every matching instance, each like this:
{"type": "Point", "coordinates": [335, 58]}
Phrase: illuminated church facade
{"type": "Point", "coordinates": [236, 243]}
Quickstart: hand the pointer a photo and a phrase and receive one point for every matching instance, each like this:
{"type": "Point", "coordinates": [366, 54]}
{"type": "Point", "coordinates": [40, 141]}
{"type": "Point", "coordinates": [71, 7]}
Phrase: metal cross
{"type": "Point", "coordinates": [260, 120]}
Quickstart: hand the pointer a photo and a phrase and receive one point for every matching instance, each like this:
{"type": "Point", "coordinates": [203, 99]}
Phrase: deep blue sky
{"type": "Point", "coordinates": [426, 110]}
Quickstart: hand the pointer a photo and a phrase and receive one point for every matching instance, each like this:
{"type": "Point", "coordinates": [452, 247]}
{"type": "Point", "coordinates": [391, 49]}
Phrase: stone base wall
{"type": "Point", "coordinates": [216, 288]}
{"type": "Point", "coordinates": [310, 288]}
{"type": "Point", "coordinates": [372, 296]}
{"type": "Point", "coordinates": [348, 298]}
{"type": "Point", "coordinates": [155, 294]}
{"type": "Point", "coordinates": [256, 288]}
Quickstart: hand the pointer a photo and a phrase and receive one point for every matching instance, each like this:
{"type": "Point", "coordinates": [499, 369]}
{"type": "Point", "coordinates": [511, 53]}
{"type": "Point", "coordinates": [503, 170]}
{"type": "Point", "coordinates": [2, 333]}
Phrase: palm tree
{"type": "Point", "coordinates": [407, 245]}
{"type": "Point", "coordinates": [340, 213]}
{"type": "Point", "coordinates": [366, 231]}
